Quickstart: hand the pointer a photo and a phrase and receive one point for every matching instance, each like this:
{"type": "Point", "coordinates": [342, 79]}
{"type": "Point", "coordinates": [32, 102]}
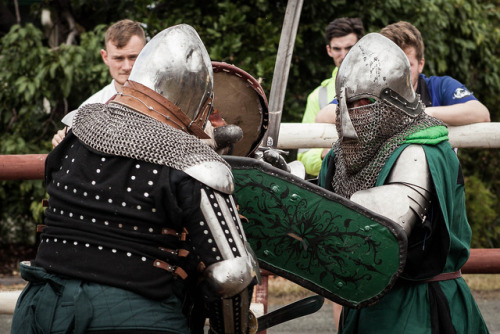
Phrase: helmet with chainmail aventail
{"type": "Point", "coordinates": [378, 109]}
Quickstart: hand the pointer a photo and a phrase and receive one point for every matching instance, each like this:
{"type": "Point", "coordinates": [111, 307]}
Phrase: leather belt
{"type": "Point", "coordinates": [445, 277]}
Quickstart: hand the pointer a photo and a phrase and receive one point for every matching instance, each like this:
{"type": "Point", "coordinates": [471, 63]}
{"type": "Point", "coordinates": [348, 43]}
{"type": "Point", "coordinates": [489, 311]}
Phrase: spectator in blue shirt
{"type": "Point", "coordinates": [445, 98]}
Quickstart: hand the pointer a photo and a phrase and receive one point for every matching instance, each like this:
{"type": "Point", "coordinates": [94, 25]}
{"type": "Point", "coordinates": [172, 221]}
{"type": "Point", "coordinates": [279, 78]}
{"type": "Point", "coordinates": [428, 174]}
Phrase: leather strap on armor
{"type": "Point", "coordinates": [146, 101]}
{"type": "Point", "coordinates": [169, 231]}
{"type": "Point", "coordinates": [172, 269]}
{"type": "Point", "coordinates": [177, 252]}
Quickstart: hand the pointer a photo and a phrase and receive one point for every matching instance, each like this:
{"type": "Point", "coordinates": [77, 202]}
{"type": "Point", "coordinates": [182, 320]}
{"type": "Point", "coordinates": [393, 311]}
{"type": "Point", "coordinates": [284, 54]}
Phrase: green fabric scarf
{"type": "Point", "coordinates": [431, 136]}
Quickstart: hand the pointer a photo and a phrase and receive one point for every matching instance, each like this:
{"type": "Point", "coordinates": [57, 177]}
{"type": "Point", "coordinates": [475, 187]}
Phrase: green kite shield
{"type": "Point", "coordinates": [315, 238]}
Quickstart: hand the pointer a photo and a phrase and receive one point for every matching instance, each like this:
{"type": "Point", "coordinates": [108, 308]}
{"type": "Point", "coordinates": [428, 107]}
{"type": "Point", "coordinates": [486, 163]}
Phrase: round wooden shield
{"type": "Point", "coordinates": [241, 101]}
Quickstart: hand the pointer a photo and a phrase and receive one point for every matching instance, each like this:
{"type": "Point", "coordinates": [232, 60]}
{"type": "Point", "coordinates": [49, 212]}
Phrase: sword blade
{"type": "Point", "coordinates": [281, 71]}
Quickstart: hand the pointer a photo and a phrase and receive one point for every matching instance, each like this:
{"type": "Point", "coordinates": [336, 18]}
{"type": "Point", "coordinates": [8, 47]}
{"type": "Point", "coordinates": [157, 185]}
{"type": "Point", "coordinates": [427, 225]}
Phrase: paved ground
{"type": "Point", "coordinates": [321, 321]}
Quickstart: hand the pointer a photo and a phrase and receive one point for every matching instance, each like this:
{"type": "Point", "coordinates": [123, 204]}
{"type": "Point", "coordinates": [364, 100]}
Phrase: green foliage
{"type": "Point", "coordinates": [39, 85]}
{"type": "Point", "coordinates": [482, 189]}
{"type": "Point", "coordinates": [34, 95]}
{"type": "Point", "coordinates": [481, 204]}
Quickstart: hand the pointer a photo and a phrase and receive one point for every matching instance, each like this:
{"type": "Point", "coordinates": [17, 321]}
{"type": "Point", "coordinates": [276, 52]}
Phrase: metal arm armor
{"type": "Point", "coordinates": [406, 196]}
{"type": "Point", "coordinates": [231, 277]}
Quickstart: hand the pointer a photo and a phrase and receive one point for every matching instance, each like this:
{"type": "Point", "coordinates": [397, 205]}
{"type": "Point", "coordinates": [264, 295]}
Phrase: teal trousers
{"type": "Point", "coordinates": [52, 304]}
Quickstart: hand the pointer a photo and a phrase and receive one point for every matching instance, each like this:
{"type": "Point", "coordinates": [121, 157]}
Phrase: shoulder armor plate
{"type": "Point", "coordinates": [411, 167]}
{"type": "Point", "coordinates": [214, 174]}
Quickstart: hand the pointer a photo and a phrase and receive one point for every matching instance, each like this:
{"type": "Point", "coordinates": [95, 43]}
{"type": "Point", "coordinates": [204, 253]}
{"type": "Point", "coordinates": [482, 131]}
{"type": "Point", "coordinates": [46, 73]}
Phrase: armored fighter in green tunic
{"type": "Point", "coordinates": [394, 159]}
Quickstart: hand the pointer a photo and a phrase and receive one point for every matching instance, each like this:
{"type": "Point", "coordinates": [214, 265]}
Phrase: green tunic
{"type": "Point", "coordinates": [414, 306]}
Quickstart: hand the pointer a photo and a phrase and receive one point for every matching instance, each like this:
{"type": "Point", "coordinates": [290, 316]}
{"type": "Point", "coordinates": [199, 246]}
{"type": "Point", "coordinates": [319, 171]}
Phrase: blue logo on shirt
{"type": "Point", "coordinates": [460, 93]}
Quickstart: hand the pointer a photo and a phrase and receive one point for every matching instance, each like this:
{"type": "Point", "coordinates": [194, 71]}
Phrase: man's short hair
{"type": "Point", "coordinates": [344, 26]}
{"type": "Point", "coordinates": [405, 35]}
{"type": "Point", "coordinates": [122, 31]}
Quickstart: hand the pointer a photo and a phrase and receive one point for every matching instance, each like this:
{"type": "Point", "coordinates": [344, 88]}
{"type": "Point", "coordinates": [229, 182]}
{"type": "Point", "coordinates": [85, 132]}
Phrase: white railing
{"type": "Point", "coordinates": [299, 135]}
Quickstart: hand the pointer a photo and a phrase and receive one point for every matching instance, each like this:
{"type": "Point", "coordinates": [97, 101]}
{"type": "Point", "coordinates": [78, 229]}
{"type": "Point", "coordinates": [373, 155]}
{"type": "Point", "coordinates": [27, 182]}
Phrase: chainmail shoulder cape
{"type": "Point", "coordinates": [117, 130]}
{"type": "Point", "coordinates": [346, 184]}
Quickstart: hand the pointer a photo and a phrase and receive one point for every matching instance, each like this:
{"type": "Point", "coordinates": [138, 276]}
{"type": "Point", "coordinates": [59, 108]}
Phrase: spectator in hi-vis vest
{"type": "Point", "coordinates": [340, 35]}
